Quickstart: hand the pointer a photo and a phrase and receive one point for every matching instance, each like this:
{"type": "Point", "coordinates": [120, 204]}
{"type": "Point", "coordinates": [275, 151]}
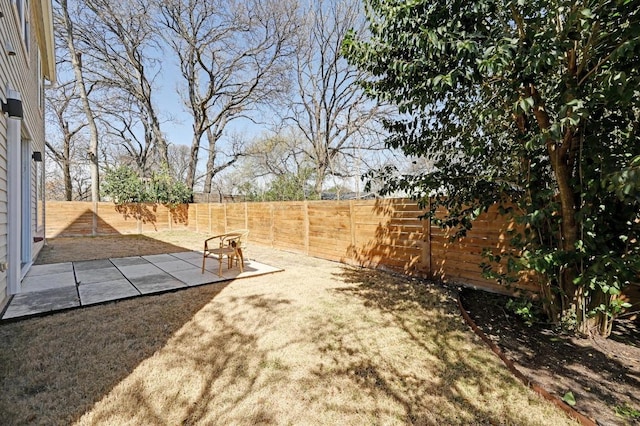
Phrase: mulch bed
{"type": "Point", "coordinates": [602, 374]}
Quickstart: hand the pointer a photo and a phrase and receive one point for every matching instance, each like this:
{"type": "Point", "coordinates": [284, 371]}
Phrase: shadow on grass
{"type": "Point", "coordinates": [216, 362]}
{"type": "Point", "coordinates": [458, 375]}
{"type": "Point", "coordinates": [56, 368]}
{"type": "Point", "coordinates": [374, 348]}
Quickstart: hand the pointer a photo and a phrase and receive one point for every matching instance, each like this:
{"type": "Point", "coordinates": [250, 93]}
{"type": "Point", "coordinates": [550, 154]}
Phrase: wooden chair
{"type": "Point", "coordinates": [229, 244]}
{"type": "Point", "coordinates": [241, 244]}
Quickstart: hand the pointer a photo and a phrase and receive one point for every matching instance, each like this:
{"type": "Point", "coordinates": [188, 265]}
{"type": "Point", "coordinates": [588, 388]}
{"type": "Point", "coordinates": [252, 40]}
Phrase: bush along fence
{"type": "Point", "coordinates": [374, 233]}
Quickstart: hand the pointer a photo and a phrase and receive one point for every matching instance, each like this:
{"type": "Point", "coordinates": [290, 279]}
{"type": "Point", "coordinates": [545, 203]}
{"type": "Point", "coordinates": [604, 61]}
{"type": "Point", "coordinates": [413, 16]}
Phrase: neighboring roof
{"type": "Point", "coordinates": [43, 25]}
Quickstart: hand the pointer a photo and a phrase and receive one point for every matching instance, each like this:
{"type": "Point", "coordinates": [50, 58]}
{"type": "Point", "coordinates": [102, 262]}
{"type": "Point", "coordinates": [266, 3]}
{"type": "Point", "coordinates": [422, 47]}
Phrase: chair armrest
{"type": "Point", "coordinates": [214, 237]}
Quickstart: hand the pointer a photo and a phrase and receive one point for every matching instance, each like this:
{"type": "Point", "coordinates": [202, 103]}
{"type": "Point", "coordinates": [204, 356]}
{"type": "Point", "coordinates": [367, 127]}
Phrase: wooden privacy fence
{"type": "Point", "coordinates": [375, 233]}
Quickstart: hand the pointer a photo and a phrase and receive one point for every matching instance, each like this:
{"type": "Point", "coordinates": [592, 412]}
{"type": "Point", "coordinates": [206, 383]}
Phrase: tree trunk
{"type": "Point", "coordinates": [572, 301]}
{"type": "Point", "coordinates": [208, 178]}
{"type": "Point", "coordinates": [76, 62]}
{"type": "Point", "coordinates": [66, 168]}
{"type": "Point", "coordinates": [68, 190]}
{"type": "Point", "coordinates": [193, 160]}
{"type": "Point", "coordinates": [161, 143]}
{"type": "Point", "coordinates": [569, 229]}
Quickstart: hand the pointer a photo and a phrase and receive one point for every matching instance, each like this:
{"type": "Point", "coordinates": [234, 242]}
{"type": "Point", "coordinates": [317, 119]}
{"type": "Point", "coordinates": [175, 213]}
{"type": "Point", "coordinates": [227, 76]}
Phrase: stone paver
{"type": "Point", "coordinates": [55, 299]}
{"type": "Point", "coordinates": [137, 271]}
{"type": "Point", "coordinates": [54, 287]}
{"type": "Point", "coordinates": [106, 291]}
{"type": "Point", "coordinates": [88, 265]}
{"type": "Point", "coordinates": [194, 276]}
{"type": "Point", "coordinates": [47, 282]}
{"type": "Point", "coordinates": [55, 268]}
{"type": "Point", "coordinates": [98, 275]}
{"type": "Point", "coordinates": [190, 256]}
{"type": "Point", "coordinates": [175, 265]}
{"type": "Point", "coordinates": [148, 284]}
{"type": "Point", "coordinates": [159, 258]}
{"type": "Point", "coordinates": [128, 261]}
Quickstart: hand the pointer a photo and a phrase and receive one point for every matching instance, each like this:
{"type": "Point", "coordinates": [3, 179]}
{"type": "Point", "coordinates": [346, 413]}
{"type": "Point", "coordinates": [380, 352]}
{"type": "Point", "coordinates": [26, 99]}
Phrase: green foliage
{"type": "Point", "coordinates": [569, 398]}
{"type": "Point", "coordinates": [124, 185]}
{"type": "Point", "coordinates": [525, 309]}
{"type": "Point", "coordinates": [163, 188]}
{"type": "Point", "coordinates": [285, 187]}
{"type": "Point", "coordinates": [627, 412]}
{"type": "Point", "coordinates": [532, 105]}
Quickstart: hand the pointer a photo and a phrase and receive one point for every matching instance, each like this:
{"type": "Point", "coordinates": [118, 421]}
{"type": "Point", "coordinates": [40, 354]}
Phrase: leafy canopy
{"type": "Point", "coordinates": [534, 105]}
{"type": "Point", "coordinates": [124, 185]}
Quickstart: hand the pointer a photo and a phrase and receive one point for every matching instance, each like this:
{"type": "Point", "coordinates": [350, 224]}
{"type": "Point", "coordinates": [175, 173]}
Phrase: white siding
{"type": "Point", "coordinates": [19, 72]}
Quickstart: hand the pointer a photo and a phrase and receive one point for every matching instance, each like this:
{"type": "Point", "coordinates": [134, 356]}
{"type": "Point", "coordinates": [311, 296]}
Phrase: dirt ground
{"type": "Point", "coordinates": [603, 374]}
{"type": "Point", "coordinates": [319, 343]}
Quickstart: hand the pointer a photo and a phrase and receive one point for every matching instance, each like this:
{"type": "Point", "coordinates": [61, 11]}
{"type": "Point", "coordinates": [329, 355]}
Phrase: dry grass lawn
{"type": "Point", "coordinates": [319, 343]}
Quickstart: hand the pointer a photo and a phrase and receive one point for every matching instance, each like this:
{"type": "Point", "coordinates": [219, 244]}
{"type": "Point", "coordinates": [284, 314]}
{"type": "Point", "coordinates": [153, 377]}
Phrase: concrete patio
{"type": "Point", "coordinates": [68, 285]}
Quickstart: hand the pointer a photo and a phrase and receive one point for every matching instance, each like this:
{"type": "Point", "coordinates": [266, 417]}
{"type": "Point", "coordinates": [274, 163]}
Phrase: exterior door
{"type": "Point", "coordinates": [25, 207]}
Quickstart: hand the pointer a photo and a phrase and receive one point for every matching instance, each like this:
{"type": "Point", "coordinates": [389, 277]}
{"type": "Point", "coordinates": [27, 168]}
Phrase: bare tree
{"type": "Point", "coordinates": [179, 162]}
{"type": "Point", "coordinates": [120, 121]}
{"type": "Point", "coordinates": [62, 18]}
{"type": "Point", "coordinates": [330, 110]}
{"type": "Point", "coordinates": [120, 42]}
{"type": "Point", "coordinates": [63, 113]}
{"type": "Point", "coordinates": [231, 58]}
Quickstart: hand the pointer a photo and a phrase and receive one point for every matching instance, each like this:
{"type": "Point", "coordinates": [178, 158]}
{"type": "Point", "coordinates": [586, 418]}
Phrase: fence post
{"type": "Point", "coordinates": [352, 224]}
{"type": "Point", "coordinates": [139, 218]}
{"type": "Point", "coordinates": [306, 227]}
{"type": "Point", "coordinates": [272, 224]}
{"type": "Point", "coordinates": [246, 216]}
{"type": "Point", "coordinates": [209, 221]}
{"type": "Point", "coordinates": [426, 244]}
{"type": "Point", "coordinates": [225, 216]}
{"type": "Point", "coordinates": [94, 218]}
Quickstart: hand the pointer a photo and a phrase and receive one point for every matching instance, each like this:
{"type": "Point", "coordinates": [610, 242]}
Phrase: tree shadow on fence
{"type": "Point", "coordinates": [398, 241]}
{"type": "Point", "coordinates": [179, 214]}
{"type": "Point", "coordinates": [70, 219]}
{"type": "Point", "coordinates": [115, 237]}
{"type": "Point", "coordinates": [146, 213]}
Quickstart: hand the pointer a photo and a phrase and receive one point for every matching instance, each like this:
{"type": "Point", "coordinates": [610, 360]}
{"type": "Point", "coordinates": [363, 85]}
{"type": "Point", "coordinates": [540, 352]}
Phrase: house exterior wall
{"type": "Point", "coordinates": [23, 71]}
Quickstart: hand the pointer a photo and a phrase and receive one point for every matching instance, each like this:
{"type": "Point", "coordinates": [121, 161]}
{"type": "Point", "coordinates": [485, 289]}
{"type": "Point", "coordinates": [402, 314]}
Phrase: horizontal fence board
{"type": "Point", "coordinates": [380, 233]}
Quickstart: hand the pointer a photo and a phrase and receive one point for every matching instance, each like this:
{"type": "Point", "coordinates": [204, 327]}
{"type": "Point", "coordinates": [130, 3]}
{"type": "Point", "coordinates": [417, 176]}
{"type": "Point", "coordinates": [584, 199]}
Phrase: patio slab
{"type": "Point", "coordinates": [194, 276]}
{"type": "Point", "coordinates": [106, 291]}
{"type": "Point", "coordinates": [193, 257]}
{"type": "Point", "coordinates": [252, 268]}
{"type": "Point", "coordinates": [98, 275]}
{"type": "Point", "coordinates": [25, 304]}
{"type": "Point", "coordinates": [88, 265]}
{"type": "Point", "coordinates": [137, 271]}
{"type": "Point", "coordinates": [175, 265]}
{"type": "Point", "coordinates": [128, 261]}
{"type": "Point", "coordinates": [159, 258]}
{"type": "Point", "coordinates": [148, 284]}
{"type": "Point", "coordinates": [55, 268]}
{"type": "Point", "coordinates": [39, 283]}
{"type": "Point", "coordinates": [48, 288]}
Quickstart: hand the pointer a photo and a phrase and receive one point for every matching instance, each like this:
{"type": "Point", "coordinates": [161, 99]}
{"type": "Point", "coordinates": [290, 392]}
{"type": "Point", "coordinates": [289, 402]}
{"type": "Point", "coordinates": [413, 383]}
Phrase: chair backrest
{"type": "Point", "coordinates": [243, 237]}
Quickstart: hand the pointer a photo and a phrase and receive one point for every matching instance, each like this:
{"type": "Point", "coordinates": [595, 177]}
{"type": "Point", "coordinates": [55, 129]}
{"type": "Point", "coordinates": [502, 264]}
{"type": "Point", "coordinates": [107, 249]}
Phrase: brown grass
{"type": "Point", "coordinates": [317, 344]}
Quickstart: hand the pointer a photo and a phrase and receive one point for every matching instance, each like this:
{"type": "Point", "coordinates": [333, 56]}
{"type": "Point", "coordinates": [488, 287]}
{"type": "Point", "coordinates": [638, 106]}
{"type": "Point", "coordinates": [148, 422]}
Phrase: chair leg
{"type": "Point", "coordinates": [239, 259]}
{"type": "Point", "coordinates": [220, 265]}
{"type": "Point", "coordinates": [204, 257]}
{"type": "Point", "coordinates": [241, 256]}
